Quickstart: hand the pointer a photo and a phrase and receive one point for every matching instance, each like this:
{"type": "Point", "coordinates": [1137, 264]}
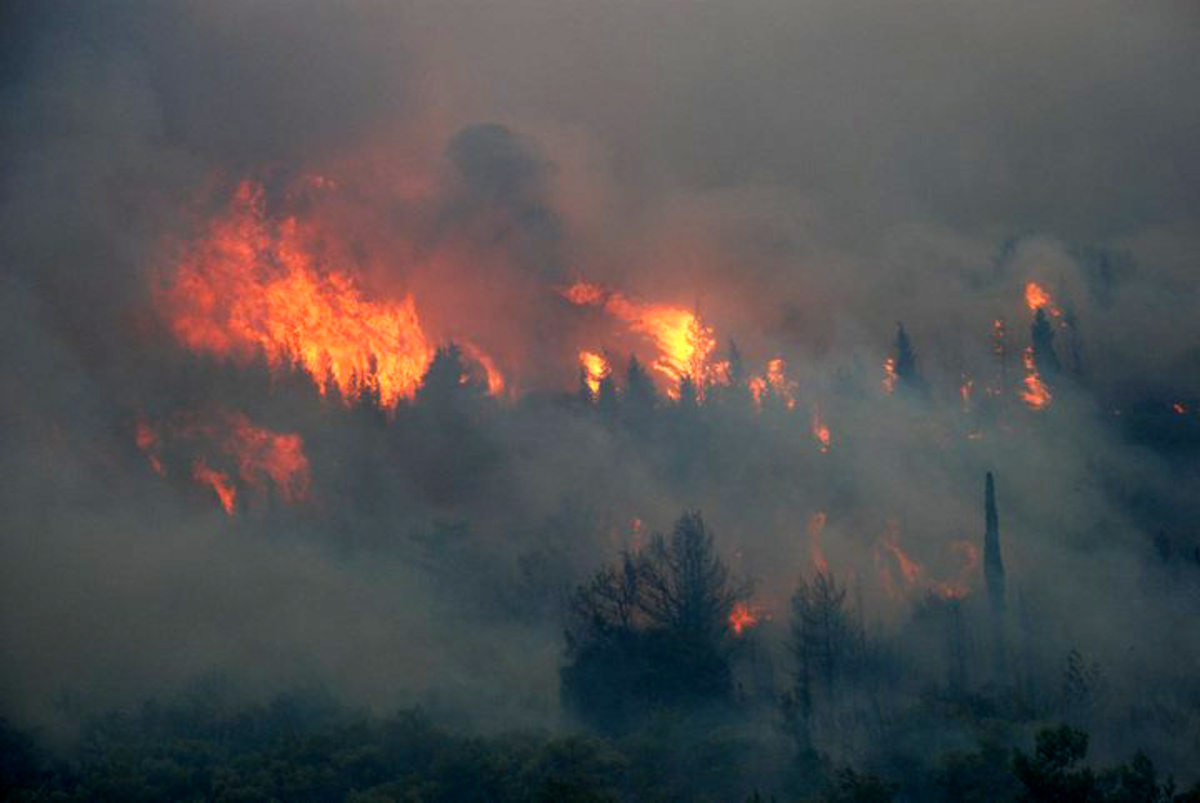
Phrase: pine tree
{"type": "Point", "coordinates": [1041, 334]}
{"type": "Point", "coordinates": [640, 397]}
{"type": "Point", "coordinates": [905, 363]}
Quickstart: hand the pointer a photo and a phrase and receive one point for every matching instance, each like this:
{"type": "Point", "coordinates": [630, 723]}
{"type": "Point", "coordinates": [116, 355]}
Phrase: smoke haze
{"type": "Point", "coordinates": [800, 176]}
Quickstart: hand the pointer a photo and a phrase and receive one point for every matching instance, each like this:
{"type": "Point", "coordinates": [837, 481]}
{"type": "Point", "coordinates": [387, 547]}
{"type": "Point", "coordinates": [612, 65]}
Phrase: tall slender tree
{"type": "Point", "coordinates": [993, 573]}
{"type": "Point", "coordinates": [1041, 334]}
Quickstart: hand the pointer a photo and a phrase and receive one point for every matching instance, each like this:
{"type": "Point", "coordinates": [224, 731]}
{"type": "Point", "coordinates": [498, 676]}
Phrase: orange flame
{"type": "Point", "coordinates": [781, 386]}
{"type": "Point", "coordinates": [742, 618]}
{"type": "Point", "coordinates": [256, 287]}
{"type": "Point", "coordinates": [894, 564]}
{"type": "Point", "coordinates": [258, 454]}
{"type": "Point", "coordinates": [890, 558]}
{"type": "Point", "coordinates": [1034, 393]}
{"type": "Point", "coordinates": [595, 369]}
{"type": "Point", "coordinates": [685, 344]}
{"type": "Point", "coordinates": [261, 454]}
{"type": "Point", "coordinates": [1037, 298]}
{"type": "Point", "coordinates": [758, 389]}
{"type": "Point", "coordinates": [776, 382]}
{"type": "Point", "coordinates": [819, 429]}
{"type": "Point", "coordinates": [220, 483]}
{"type": "Point", "coordinates": [495, 379]}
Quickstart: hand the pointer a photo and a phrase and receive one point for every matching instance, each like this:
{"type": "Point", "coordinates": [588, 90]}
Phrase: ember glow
{"type": "Point", "coordinates": [960, 586]}
{"type": "Point", "coordinates": [820, 430]}
{"type": "Point", "coordinates": [1034, 392]}
{"type": "Point", "coordinates": [776, 383]}
{"type": "Point", "coordinates": [889, 375]}
{"type": "Point", "coordinates": [220, 483]}
{"type": "Point", "coordinates": [742, 618]}
{"type": "Point", "coordinates": [252, 286]}
{"type": "Point", "coordinates": [148, 441]}
{"type": "Point", "coordinates": [781, 386]}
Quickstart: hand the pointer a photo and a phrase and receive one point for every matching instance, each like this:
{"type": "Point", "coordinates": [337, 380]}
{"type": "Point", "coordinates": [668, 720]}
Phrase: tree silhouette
{"type": "Point", "coordinates": [1041, 334]}
{"type": "Point", "coordinates": [652, 632]}
{"type": "Point", "coordinates": [905, 362]}
{"type": "Point", "coordinates": [450, 381]}
{"type": "Point", "coordinates": [822, 644]}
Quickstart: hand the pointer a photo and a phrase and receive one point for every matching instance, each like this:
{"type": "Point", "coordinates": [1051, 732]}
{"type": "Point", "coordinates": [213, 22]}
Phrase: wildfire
{"type": "Point", "coordinates": [253, 286]}
{"type": "Point", "coordinates": [1037, 298]}
{"type": "Point", "coordinates": [1034, 391]}
{"type": "Point", "coordinates": [894, 564]}
{"type": "Point", "coordinates": [685, 345]}
{"type": "Point", "coordinates": [816, 528]}
{"type": "Point", "coordinates": [148, 441]}
{"type": "Point", "coordinates": [758, 389]}
{"type": "Point", "coordinates": [742, 618]}
{"type": "Point", "coordinates": [820, 430]}
{"type": "Point", "coordinates": [259, 455]}
{"type": "Point", "coordinates": [889, 375]}
{"type": "Point", "coordinates": [220, 483]}
{"type": "Point", "coordinates": [965, 392]}
{"type": "Point", "coordinates": [495, 379]}
{"type": "Point", "coordinates": [960, 586]}
{"type": "Point", "coordinates": [595, 369]}
{"type": "Point", "coordinates": [776, 383]}
{"type": "Point", "coordinates": [783, 387]}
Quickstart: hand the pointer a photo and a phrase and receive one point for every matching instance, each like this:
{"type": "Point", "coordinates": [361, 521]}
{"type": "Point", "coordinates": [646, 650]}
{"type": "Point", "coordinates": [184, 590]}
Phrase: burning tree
{"type": "Point", "coordinates": [653, 632]}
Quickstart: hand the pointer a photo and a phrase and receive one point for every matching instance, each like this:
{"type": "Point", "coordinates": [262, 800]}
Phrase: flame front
{"type": "Point", "coordinates": [255, 287]}
{"type": "Point", "coordinates": [685, 345]}
{"type": "Point", "coordinates": [1036, 297]}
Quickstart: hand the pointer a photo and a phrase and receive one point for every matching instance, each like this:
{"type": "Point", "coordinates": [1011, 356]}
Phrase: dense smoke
{"type": "Point", "coordinates": [800, 176]}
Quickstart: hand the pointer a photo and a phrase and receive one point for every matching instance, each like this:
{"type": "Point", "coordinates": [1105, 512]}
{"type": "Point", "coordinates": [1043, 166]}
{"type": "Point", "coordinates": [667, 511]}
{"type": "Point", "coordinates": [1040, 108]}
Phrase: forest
{"type": "Point", "coordinates": [783, 400]}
